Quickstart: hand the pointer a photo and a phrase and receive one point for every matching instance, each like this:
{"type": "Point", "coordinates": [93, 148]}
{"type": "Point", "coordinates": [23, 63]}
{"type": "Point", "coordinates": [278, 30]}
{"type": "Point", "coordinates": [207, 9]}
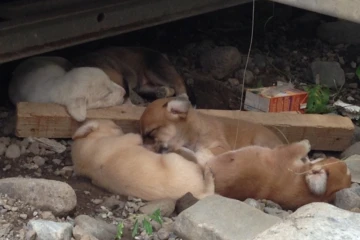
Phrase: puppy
{"type": "Point", "coordinates": [119, 163]}
{"type": "Point", "coordinates": [139, 70]}
{"type": "Point", "coordinates": [279, 175]}
{"type": "Point", "coordinates": [172, 123]}
{"type": "Point", "coordinates": [46, 80]}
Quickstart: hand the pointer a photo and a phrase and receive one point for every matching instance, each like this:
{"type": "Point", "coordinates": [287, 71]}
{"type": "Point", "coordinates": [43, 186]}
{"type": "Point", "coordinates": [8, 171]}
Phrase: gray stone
{"type": "Point", "coordinates": [2, 148]}
{"type": "Point", "coordinates": [34, 148]}
{"type": "Point", "coordinates": [260, 60]}
{"type": "Point", "coordinates": [49, 230]}
{"type": "Point", "coordinates": [39, 161]}
{"type": "Point", "coordinates": [353, 163]}
{"type": "Point", "coordinates": [13, 151]}
{"type": "Point", "coordinates": [221, 61]}
{"type": "Point", "coordinates": [315, 221]}
{"type": "Point", "coordinates": [249, 76]}
{"type": "Point", "coordinates": [328, 73]}
{"type": "Point", "coordinates": [352, 150]}
{"type": "Point", "coordinates": [51, 144]}
{"type": "Point", "coordinates": [112, 203]}
{"type": "Point", "coordinates": [256, 204]}
{"type": "Point", "coordinates": [55, 196]}
{"type": "Point", "coordinates": [276, 212]}
{"type": "Point", "coordinates": [163, 234]}
{"type": "Point", "coordinates": [80, 234]}
{"type": "Point", "coordinates": [216, 217]}
{"type": "Point", "coordinates": [339, 32]}
{"type": "Point", "coordinates": [347, 199]}
{"type": "Point", "coordinates": [166, 206]}
{"type": "Point", "coordinates": [5, 229]}
{"type": "Point", "coordinates": [356, 137]}
{"type": "Point", "coordinates": [97, 228]}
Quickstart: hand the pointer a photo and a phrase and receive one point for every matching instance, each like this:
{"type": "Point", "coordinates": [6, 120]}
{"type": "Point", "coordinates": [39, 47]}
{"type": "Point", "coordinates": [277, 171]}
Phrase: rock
{"type": "Point", "coordinates": [23, 216]}
{"type": "Point", "coordinates": [252, 202]}
{"type": "Point", "coordinates": [328, 73]}
{"type": "Point", "coordinates": [249, 76]}
{"type": "Point", "coordinates": [339, 32]}
{"type": "Point", "coordinates": [315, 221]}
{"type": "Point", "coordinates": [34, 148]}
{"type": "Point", "coordinates": [353, 163]}
{"type": "Point", "coordinates": [356, 137]}
{"type": "Point", "coordinates": [97, 228]}
{"type": "Point", "coordinates": [49, 230]}
{"type": "Point", "coordinates": [5, 229]}
{"type": "Point", "coordinates": [2, 148]}
{"type": "Point", "coordinates": [55, 196]}
{"type": "Point", "coordinates": [112, 203]}
{"type": "Point", "coordinates": [56, 161]}
{"type": "Point", "coordinates": [13, 151]}
{"type": "Point", "coordinates": [185, 202]}
{"type": "Point", "coordinates": [270, 204]}
{"type": "Point", "coordinates": [233, 82]}
{"type": "Point", "coordinates": [221, 61]}
{"type": "Point", "coordinates": [80, 234]}
{"type": "Point", "coordinates": [276, 212]}
{"type": "Point", "coordinates": [217, 217]}
{"type": "Point", "coordinates": [39, 161]}
{"type": "Point", "coordinates": [352, 150]}
{"type": "Point", "coordinates": [51, 144]}
{"type": "Point", "coordinates": [47, 215]}
{"type": "Point", "coordinates": [163, 234]}
{"type": "Point", "coordinates": [166, 206]}
{"type": "Point", "coordinates": [66, 171]}
{"type": "Point", "coordinates": [259, 61]}
{"type": "Point", "coordinates": [96, 201]}
{"type": "Point", "coordinates": [347, 199]}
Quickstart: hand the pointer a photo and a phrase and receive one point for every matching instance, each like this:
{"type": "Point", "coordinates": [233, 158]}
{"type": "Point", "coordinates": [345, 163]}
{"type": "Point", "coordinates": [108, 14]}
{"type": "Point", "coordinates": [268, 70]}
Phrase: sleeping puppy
{"type": "Point", "coordinates": [141, 71]}
{"type": "Point", "coordinates": [172, 123]}
{"type": "Point", "coordinates": [278, 174]}
{"type": "Point", "coordinates": [49, 80]}
{"type": "Point", "coordinates": [120, 164]}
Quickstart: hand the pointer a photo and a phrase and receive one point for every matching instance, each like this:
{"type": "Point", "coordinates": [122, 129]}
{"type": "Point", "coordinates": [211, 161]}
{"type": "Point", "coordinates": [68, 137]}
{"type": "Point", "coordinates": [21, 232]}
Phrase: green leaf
{"type": "Point", "coordinates": [135, 230]}
{"type": "Point", "coordinates": [358, 72]}
{"type": "Point", "coordinates": [147, 226]}
{"type": "Point", "coordinates": [318, 98]}
{"type": "Point", "coordinates": [156, 216]}
{"type": "Point", "coordinates": [120, 230]}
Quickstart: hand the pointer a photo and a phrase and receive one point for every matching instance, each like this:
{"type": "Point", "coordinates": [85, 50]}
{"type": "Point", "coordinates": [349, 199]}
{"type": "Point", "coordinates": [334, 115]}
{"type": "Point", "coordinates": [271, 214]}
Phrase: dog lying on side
{"type": "Point", "coordinates": [172, 123]}
{"type": "Point", "coordinates": [141, 71]}
{"type": "Point", "coordinates": [280, 174]}
{"type": "Point", "coordinates": [119, 163]}
{"type": "Point", "coordinates": [49, 80]}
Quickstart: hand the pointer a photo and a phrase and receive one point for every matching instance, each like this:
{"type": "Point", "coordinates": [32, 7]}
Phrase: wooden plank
{"type": "Point", "coordinates": [325, 132]}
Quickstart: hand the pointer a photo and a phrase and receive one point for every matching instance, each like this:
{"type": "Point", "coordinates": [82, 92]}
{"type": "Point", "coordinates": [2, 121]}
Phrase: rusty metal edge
{"type": "Point", "coordinates": [172, 14]}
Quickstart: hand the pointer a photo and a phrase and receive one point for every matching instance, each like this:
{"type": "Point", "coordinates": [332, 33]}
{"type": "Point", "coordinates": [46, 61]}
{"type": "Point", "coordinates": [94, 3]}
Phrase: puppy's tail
{"type": "Point", "coordinates": [209, 182]}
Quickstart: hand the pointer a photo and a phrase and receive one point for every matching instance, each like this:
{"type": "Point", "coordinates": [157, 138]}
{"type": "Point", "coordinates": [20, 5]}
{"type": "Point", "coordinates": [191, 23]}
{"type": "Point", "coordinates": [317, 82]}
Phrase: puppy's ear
{"type": "Point", "coordinates": [77, 109]}
{"type": "Point", "coordinates": [317, 180]}
{"type": "Point", "coordinates": [85, 129]}
{"type": "Point", "coordinates": [178, 108]}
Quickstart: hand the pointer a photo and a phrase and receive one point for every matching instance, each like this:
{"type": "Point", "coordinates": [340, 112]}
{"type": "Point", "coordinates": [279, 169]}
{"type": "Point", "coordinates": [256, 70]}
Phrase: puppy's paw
{"type": "Point", "coordinates": [77, 109]}
{"type": "Point", "coordinates": [164, 92]}
{"type": "Point", "coordinates": [306, 144]}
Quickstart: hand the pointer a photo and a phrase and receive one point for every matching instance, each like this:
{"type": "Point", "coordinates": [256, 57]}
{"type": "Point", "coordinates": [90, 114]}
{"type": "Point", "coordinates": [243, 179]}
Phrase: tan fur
{"type": "Point", "coordinates": [139, 70]}
{"type": "Point", "coordinates": [173, 123]}
{"type": "Point", "coordinates": [279, 175]}
{"type": "Point", "coordinates": [119, 163]}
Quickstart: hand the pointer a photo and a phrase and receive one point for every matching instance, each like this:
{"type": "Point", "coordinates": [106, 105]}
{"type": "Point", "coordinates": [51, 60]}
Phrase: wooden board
{"type": "Point", "coordinates": [325, 132]}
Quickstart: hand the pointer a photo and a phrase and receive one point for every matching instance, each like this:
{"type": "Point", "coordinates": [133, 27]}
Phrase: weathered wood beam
{"type": "Point", "coordinates": [325, 132]}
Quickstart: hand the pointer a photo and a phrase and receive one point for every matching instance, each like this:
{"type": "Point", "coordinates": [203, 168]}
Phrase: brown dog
{"type": "Point", "coordinates": [139, 70]}
{"type": "Point", "coordinates": [279, 175]}
{"type": "Point", "coordinates": [173, 123]}
{"type": "Point", "coordinates": [119, 163]}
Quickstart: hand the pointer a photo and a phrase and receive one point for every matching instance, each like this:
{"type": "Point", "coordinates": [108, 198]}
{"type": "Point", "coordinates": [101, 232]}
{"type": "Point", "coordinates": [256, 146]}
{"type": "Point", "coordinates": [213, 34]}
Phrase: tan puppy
{"type": "Point", "coordinates": [139, 70]}
{"type": "Point", "coordinates": [173, 123]}
{"type": "Point", "coordinates": [279, 175]}
{"type": "Point", "coordinates": [119, 163]}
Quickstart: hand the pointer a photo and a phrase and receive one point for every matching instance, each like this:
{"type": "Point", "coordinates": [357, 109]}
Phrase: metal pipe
{"type": "Point", "coordinates": [343, 9]}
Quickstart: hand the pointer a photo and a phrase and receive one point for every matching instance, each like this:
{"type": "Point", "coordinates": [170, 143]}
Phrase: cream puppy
{"type": "Point", "coordinates": [47, 80]}
{"type": "Point", "coordinates": [119, 163]}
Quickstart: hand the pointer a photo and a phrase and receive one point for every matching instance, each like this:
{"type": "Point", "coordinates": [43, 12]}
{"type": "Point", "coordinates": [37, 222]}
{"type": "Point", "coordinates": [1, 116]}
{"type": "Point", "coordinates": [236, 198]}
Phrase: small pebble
{"type": "Point", "coordinates": [23, 216]}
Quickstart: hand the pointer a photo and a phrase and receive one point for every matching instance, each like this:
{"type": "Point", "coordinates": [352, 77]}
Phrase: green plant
{"type": "Point", "coordinates": [120, 230]}
{"type": "Point", "coordinates": [146, 224]}
{"type": "Point", "coordinates": [318, 99]}
{"type": "Point", "coordinates": [358, 72]}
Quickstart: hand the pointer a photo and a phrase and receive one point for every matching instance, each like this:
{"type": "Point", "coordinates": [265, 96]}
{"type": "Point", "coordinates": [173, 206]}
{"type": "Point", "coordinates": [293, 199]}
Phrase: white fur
{"type": "Point", "coordinates": [44, 80]}
{"type": "Point", "coordinates": [317, 181]}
